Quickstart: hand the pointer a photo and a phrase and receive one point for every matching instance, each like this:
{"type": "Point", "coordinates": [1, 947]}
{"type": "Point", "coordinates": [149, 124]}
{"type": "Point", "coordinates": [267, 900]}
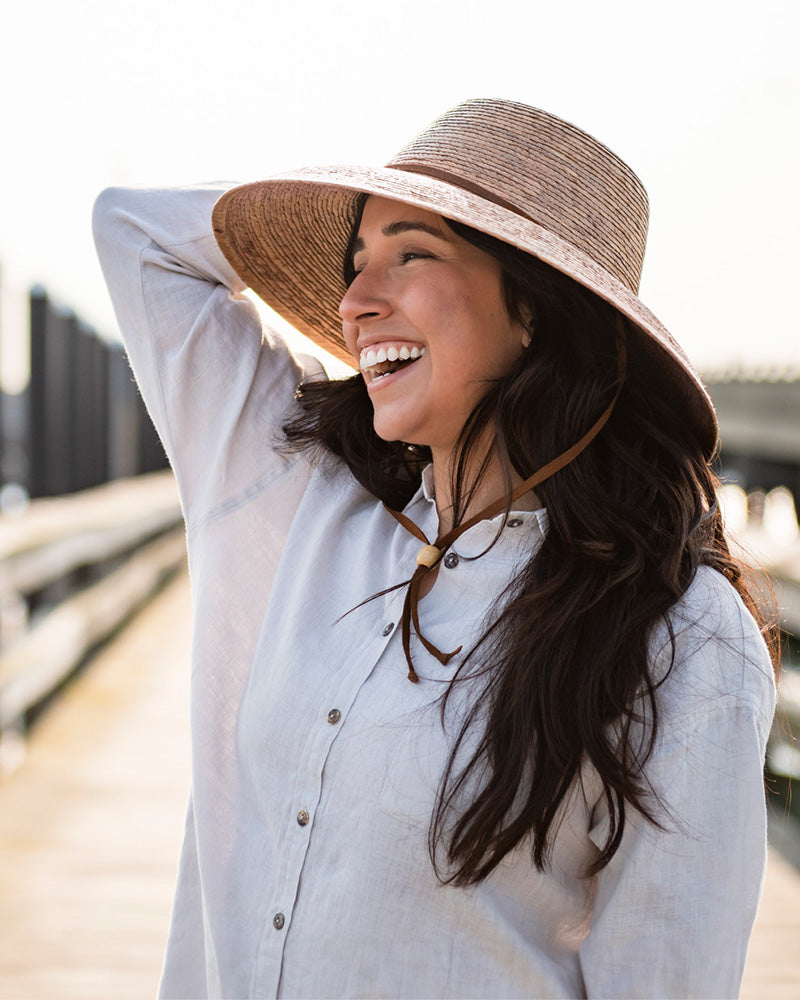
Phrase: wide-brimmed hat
{"type": "Point", "coordinates": [509, 170]}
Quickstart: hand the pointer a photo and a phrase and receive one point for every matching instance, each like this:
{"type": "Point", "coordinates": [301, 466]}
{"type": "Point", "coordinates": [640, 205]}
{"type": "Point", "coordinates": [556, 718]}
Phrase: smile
{"type": "Point", "coordinates": [378, 362]}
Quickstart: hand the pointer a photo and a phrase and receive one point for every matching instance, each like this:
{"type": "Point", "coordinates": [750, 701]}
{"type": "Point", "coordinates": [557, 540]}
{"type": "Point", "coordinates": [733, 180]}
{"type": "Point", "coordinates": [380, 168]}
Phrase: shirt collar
{"type": "Point", "coordinates": [524, 521]}
{"type": "Point", "coordinates": [428, 489]}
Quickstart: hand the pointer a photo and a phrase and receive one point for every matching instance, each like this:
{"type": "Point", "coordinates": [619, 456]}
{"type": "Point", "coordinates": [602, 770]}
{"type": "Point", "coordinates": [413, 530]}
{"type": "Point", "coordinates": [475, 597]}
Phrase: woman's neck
{"type": "Point", "coordinates": [490, 487]}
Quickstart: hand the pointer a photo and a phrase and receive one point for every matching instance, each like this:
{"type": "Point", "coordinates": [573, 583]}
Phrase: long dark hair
{"type": "Point", "coordinates": [564, 664]}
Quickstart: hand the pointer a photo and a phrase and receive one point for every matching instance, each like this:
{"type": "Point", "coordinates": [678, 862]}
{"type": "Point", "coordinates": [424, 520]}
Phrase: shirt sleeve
{"type": "Point", "coordinates": [675, 907]}
{"type": "Point", "coordinates": [216, 384]}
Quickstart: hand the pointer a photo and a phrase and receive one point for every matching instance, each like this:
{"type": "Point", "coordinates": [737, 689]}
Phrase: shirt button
{"type": "Point", "coordinates": [514, 522]}
{"type": "Point", "coordinates": [334, 715]}
{"type": "Point", "coordinates": [388, 629]}
{"type": "Point", "coordinates": [278, 921]}
{"type": "Point", "coordinates": [451, 560]}
{"type": "Point", "coordinates": [302, 817]}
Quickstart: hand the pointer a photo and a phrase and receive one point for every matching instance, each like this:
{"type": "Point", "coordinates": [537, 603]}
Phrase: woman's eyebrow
{"type": "Point", "coordinates": [401, 226]}
{"type": "Point", "coordinates": [395, 228]}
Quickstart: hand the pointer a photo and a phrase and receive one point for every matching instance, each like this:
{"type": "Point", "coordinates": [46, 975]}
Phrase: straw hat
{"type": "Point", "coordinates": [517, 173]}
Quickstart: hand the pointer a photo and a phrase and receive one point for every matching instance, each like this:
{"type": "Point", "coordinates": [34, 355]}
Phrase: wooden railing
{"type": "Point", "coordinates": [72, 569]}
{"type": "Point", "coordinates": [780, 558]}
{"type": "Point", "coordinates": [86, 423]}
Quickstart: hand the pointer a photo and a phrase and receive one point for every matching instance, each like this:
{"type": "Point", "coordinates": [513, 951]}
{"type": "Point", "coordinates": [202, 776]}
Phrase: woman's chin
{"type": "Point", "coordinates": [388, 433]}
{"type": "Point", "coordinates": [392, 426]}
{"type": "Point", "coordinates": [399, 424]}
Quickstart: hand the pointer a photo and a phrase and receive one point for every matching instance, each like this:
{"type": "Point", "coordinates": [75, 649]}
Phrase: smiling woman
{"type": "Point", "coordinates": [510, 505]}
{"type": "Point", "coordinates": [417, 285]}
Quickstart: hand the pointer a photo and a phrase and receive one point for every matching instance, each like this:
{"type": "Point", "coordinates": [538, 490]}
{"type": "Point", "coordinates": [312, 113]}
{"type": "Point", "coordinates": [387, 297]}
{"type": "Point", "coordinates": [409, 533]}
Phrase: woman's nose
{"type": "Point", "coordinates": [365, 298]}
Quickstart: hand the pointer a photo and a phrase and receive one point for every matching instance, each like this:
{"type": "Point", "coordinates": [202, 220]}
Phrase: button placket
{"type": "Point", "coordinates": [303, 819]}
{"type": "Point", "coordinates": [362, 654]}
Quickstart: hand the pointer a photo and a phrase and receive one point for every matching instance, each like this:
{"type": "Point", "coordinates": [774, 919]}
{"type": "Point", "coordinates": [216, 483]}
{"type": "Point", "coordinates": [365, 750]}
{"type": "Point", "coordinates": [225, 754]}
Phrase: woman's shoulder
{"type": "Point", "coordinates": [709, 649]}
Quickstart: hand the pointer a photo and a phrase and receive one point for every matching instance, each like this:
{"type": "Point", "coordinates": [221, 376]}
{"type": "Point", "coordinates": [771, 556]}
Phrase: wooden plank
{"type": "Point", "coordinates": [53, 519]}
{"type": "Point", "coordinates": [25, 572]}
{"type": "Point", "coordinates": [91, 823]}
{"type": "Point", "coordinates": [773, 958]}
{"type": "Point", "coordinates": [36, 663]}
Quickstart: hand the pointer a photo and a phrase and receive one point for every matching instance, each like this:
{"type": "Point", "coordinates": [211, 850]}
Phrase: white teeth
{"type": "Point", "coordinates": [371, 357]}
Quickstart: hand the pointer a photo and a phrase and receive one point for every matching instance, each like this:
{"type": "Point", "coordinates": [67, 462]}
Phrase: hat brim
{"type": "Point", "coordinates": [286, 238]}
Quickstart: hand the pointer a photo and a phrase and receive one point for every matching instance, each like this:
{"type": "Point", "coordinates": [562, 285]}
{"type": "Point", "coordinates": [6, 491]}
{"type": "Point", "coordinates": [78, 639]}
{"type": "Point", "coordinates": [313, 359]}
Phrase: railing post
{"type": "Point", "coordinates": [37, 397]}
{"type": "Point", "coordinates": [84, 415]}
{"type": "Point", "coordinates": [122, 426]}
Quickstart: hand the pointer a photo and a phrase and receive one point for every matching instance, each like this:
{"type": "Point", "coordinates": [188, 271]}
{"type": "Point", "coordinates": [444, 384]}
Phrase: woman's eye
{"type": "Point", "coordinates": [410, 255]}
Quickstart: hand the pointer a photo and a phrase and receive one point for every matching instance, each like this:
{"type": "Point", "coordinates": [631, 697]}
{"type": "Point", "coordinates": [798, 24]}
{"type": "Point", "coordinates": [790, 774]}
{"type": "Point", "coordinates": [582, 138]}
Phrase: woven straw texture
{"type": "Point", "coordinates": [515, 172]}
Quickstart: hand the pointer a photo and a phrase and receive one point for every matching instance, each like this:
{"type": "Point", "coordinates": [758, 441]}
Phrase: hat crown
{"type": "Point", "coordinates": [545, 170]}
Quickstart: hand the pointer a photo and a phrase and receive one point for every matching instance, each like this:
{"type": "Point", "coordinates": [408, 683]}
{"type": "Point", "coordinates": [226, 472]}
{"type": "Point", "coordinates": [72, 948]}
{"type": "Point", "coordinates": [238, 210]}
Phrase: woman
{"type": "Point", "coordinates": [511, 507]}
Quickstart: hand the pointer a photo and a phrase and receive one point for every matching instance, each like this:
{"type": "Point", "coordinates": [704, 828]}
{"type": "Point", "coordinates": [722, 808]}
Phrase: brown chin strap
{"type": "Point", "coordinates": [431, 553]}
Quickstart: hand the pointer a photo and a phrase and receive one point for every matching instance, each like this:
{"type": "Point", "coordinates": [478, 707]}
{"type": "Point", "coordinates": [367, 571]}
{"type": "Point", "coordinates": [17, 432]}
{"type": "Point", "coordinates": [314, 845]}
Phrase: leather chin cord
{"type": "Point", "coordinates": [431, 553]}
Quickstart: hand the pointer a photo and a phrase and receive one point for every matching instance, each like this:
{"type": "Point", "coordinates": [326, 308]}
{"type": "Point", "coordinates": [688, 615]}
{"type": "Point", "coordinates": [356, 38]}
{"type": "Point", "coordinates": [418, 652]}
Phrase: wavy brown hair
{"type": "Point", "coordinates": [564, 664]}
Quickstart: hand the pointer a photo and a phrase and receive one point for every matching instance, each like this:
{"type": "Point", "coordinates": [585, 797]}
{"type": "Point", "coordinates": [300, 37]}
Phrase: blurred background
{"type": "Point", "coordinates": [702, 99]}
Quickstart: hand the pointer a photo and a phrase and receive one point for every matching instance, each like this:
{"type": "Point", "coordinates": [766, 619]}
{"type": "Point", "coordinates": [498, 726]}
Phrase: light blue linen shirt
{"type": "Point", "coordinates": [305, 870]}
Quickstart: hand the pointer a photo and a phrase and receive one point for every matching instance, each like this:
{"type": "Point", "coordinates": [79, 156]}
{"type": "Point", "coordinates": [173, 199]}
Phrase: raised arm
{"type": "Point", "coordinates": [216, 384]}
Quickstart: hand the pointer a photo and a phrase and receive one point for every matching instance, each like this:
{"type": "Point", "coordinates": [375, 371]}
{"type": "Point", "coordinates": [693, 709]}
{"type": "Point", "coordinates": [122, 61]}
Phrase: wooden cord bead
{"type": "Point", "coordinates": [428, 556]}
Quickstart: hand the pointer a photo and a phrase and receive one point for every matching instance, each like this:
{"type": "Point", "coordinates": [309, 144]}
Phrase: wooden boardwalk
{"type": "Point", "coordinates": [91, 823]}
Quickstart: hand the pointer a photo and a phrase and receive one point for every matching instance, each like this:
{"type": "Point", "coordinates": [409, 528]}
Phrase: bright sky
{"type": "Point", "coordinates": [701, 98]}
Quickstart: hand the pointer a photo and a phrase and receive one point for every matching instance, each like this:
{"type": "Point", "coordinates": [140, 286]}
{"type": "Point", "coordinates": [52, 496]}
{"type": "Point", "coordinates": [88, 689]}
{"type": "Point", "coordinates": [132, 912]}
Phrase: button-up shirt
{"type": "Point", "coordinates": [305, 869]}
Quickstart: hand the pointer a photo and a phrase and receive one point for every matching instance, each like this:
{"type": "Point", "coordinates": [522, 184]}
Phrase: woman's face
{"type": "Point", "coordinates": [426, 321]}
